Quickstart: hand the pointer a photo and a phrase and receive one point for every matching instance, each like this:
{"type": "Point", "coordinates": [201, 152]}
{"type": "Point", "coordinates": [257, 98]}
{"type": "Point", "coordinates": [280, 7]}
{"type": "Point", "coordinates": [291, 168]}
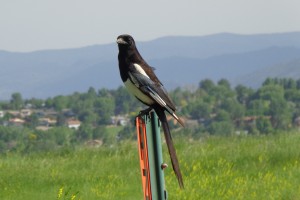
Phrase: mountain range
{"type": "Point", "coordinates": [179, 61]}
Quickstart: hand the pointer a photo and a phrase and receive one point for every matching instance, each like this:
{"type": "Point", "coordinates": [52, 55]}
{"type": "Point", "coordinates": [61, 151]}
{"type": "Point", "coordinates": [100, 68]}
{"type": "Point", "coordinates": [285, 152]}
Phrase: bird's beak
{"type": "Point", "coordinates": [121, 41]}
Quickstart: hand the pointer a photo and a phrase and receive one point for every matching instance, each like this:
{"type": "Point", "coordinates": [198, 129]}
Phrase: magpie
{"type": "Point", "coordinates": [140, 80]}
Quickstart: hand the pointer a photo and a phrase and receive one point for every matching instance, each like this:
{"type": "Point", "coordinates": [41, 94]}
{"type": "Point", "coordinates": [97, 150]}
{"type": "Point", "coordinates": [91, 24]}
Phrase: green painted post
{"type": "Point", "coordinates": [155, 156]}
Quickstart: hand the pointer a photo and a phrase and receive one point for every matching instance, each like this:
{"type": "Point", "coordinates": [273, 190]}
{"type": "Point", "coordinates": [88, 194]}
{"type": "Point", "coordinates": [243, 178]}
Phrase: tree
{"type": "Point", "coordinates": [258, 107]}
{"type": "Point", "coordinates": [100, 132]}
{"type": "Point", "coordinates": [60, 102]}
{"type": "Point", "coordinates": [224, 83]}
{"type": "Point", "coordinates": [61, 120]}
{"type": "Point", "coordinates": [61, 135]}
{"type": "Point", "coordinates": [85, 132]}
{"type": "Point", "coordinates": [280, 113]}
{"type": "Point", "coordinates": [104, 93]}
{"type": "Point", "coordinates": [126, 133]}
{"type": "Point", "coordinates": [221, 128]}
{"type": "Point", "coordinates": [88, 116]}
{"type": "Point", "coordinates": [199, 109]}
{"type": "Point", "coordinates": [221, 124]}
{"type": "Point", "coordinates": [292, 95]}
{"type": "Point", "coordinates": [124, 102]}
{"type": "Point", "coordinates": [36, 103]}
{"type": "Point", "coordinates": [268, 81]}
{"type": "Point", "coordinates": [91, 94]}
{"type": "Point", "coordinates": [233, 107]}
{"type": "Point", "coordinates": [32, 120]}
{"type": "Point", "coordinates": [49, 103]}
{"type": "Point", "coordinates": [221, 92]}
{"type": "Point", "coordinates": [243, 94]}
{"type": "Point", "coordinates": [264, 125]}
{"type": "Point", "coordinates": [298, 84]}
{"type": "Point", "coordinates": [206, 85]}
{"type": "Point", "coordinates": [16, 101]}
{"type": "Point", "coordinates": [222, 115]}
{"type": "Point", "coordinates": [105, 107]}
{"type": "Point", "coordinates": [269, 92]}
{"type": "Point", "coordinates": [290, 84]}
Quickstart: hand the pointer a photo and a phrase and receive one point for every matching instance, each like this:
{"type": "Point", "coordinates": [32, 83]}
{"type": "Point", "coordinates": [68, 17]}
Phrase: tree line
{"type": "Point", "coordinates": [213, 108]}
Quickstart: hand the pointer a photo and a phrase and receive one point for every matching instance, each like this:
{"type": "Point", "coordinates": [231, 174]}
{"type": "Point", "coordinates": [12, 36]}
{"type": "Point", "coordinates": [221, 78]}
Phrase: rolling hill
{"type": "Point", "coordinates": [242, 59]}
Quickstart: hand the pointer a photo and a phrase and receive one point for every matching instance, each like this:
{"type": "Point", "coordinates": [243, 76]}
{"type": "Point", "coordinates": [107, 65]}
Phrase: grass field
{"type": "Point", "coordinates": [246, 167]}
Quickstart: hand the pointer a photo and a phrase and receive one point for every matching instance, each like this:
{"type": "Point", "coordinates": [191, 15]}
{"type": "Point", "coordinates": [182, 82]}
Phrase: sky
{"type": "Point", "coordinates": [30, 25]}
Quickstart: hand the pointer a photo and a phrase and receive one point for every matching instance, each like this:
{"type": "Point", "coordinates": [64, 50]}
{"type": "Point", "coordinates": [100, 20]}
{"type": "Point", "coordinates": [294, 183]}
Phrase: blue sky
{"type": "Point", "coordinates": [30, 25]}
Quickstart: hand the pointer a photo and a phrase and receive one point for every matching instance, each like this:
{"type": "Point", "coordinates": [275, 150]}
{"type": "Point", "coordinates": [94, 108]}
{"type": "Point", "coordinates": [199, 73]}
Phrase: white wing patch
{"type": "Point", "coordinates": [140, 69]}
{"type": "Point", "coordinates": [133, 88]}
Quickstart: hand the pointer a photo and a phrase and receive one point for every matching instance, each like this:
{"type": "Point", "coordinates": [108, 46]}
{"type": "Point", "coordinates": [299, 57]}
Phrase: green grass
{"type": "Point", "coordinates": [114, 130]}
{"type": "Point", "coordinates": [253, 167]}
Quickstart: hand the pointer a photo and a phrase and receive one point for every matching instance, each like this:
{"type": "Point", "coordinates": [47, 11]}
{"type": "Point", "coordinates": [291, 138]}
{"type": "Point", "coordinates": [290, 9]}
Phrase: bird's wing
{"type": "Point", "coordinates": [154, 90]}
{"type": "Point", "coordinates": [146, 80]}
{"type": "Point", "coordinates": [148, 87]}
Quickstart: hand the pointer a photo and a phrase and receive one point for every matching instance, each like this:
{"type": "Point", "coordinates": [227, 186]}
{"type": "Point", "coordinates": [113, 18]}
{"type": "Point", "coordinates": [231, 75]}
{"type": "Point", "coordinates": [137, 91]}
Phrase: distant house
{"type": "Point", "coordinates": [68, 113]}
{"type": "Point", "coordinates": [251, 120]}
{"type": "Point", "coordinates": [25, 112]}
{"type": "Point", "coordinates": [43, 128]}
{"type": "Point", "coordinates": [14, 113]}
{"type": "Point", "coordinates": [119, 120]}
{"type": "Point", "coordinates": [73, 123]}
{"type": "Point", "coordinates": [50, 113]}
{"type": "Point", "coordinates": [16, 122]}
{"type": "Point", "coordinates": [1, 113]}
{"type": "Point", "coordinates": [45, 121]}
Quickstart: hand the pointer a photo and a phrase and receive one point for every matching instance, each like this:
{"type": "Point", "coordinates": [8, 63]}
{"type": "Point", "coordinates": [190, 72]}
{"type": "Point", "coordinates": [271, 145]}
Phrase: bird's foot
{"type": "Point", "coordinates": [144, 112]}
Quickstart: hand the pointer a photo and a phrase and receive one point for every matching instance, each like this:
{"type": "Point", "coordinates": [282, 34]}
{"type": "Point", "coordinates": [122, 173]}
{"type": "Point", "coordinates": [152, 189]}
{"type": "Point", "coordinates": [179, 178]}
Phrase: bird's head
{"type": "Point", "coordinates": [125, 41]}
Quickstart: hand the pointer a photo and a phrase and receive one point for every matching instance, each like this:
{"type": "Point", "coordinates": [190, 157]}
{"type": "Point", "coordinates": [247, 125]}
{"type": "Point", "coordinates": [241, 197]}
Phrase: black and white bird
{"type": "Point", "coordinates": [140, 80]}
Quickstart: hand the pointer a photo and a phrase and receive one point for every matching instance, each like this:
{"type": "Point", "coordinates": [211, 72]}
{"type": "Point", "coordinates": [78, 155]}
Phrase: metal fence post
{"type": "Point", "coordinates": [150, 154]}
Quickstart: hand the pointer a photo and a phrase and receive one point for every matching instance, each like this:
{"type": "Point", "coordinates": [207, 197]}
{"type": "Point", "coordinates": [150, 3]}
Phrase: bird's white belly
{"type": "Point", "coordinates": [137, 93]}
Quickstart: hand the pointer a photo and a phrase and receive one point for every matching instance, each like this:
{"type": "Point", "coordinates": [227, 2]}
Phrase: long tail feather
{"type": "Point", "coordinates": [178, 119]}
{"type": "Point", "coordinates": [174, 115]}
{"type": "Point", "coordinates": [175, 164]}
